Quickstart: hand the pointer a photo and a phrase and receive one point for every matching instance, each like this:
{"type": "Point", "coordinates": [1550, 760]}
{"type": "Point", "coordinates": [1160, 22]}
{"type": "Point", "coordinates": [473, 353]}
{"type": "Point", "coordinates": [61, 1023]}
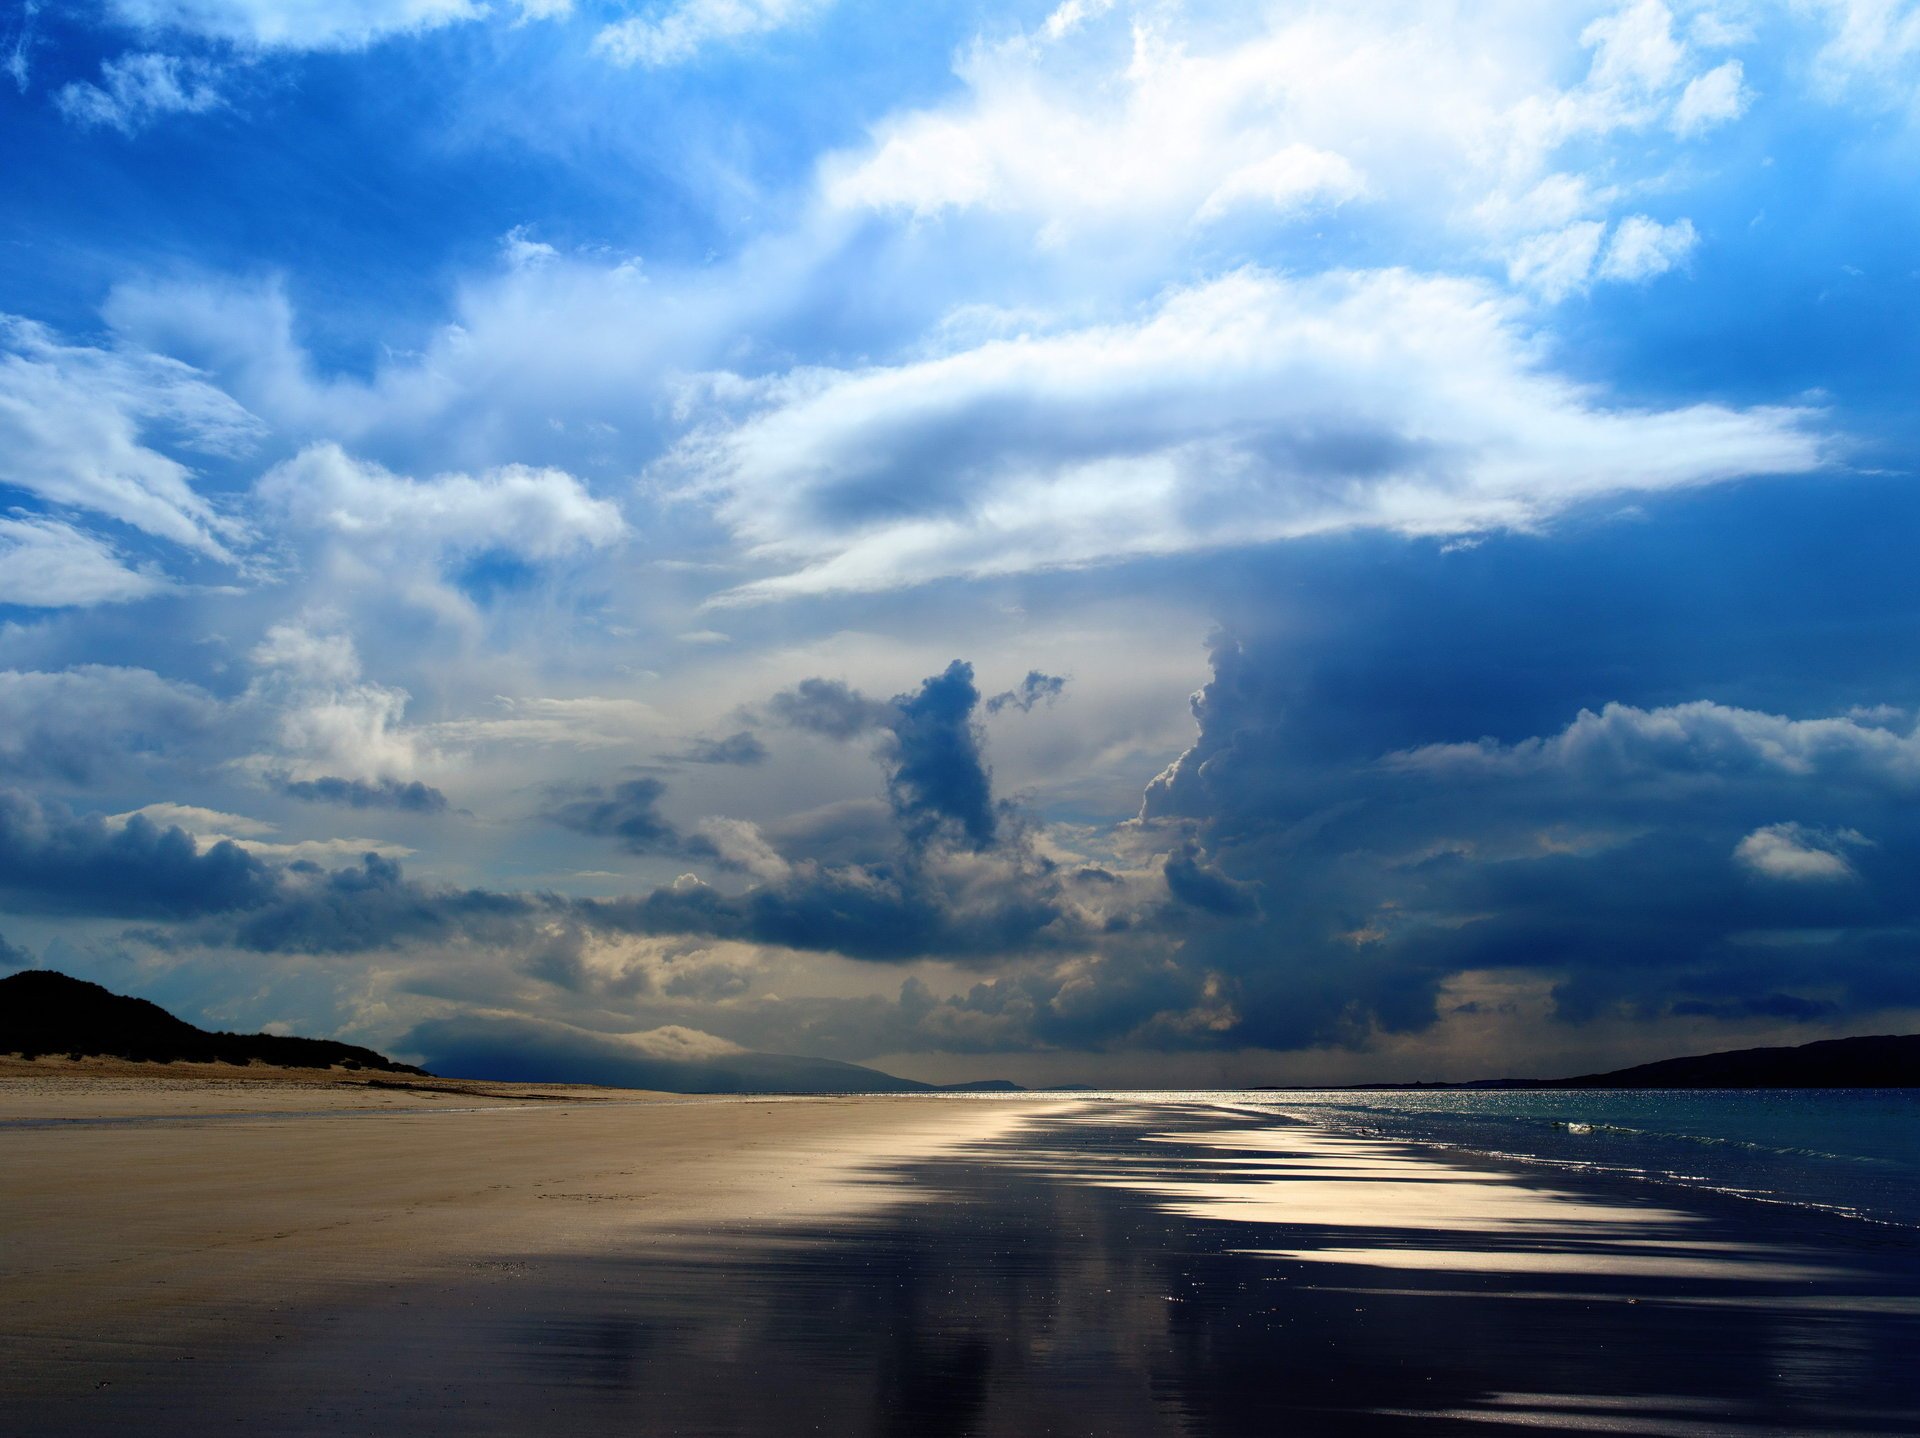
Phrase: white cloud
{"type": "Point", "coordinates": [537, 514]}
{"type": "Point", "coordinates": [46, 564]}
{"type": "Point", "coordinates": [1711, 99]}
{"type": "Point", "coordinates": [298, 24]}
{"type": "Point", "coordinates": [1293, 178]}
{"type": "Point", "coordinates": [1642, 248]}
{"type": "Point", "coordinates": [1557, 263]}
{"type": "Point", "coordinates": [329, 720]}
{"type": "Point", "coordinates": [73, 421]}
{"type": "Point", "coordinates": [1251, 408]}
{"type": "Point", "coordinates": [1683, 741]}
{"type": "Point", "coordinates": [1452, 114]}
{"type": "Point", "coordinates": [587, 722]}
{"type": "Point", "coordinates": [677, 34]}
{"type": "Point", "coordinates": [1798, 854]}
{"type": "Point", "coordinates": [209, 827]}
{"type": "Point", "coordinates": [1874, 41]}
{"type": "Point", "coordinates": [136, 89]}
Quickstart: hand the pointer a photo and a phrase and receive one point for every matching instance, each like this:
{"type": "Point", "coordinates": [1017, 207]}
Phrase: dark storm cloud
{"type": "Point", "coordinates": [411, 797]}
{"type": "Point", "coordinates": [878, 914]}
{"type": "Point", "coordinates": [1036, 688]}
{"type": "Point", "coordinates": [939, 784]}
{"type": "Point", "coordinates": [56, 862]}
{"type": "Point", "coordinates": [12, 958]}
{"type": "Point", "coordinates": [1198, 886]}
{"type": "Point", "coordinates": [1664, 791]}
{"type": "Point", "coordinates": [372, 906]}
{"type": "Point", "coordinates": [742, 748]}
{"type": "Point", "coordinates": [937, 778]}
{"type": "Point", "coordinates": [829, 708]}
{"type": "Point", "coordinates": [627, 812]}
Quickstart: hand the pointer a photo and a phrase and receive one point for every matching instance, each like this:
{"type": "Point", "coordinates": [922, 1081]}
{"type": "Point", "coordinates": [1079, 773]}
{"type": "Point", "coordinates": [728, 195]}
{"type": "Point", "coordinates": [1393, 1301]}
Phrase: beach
{"type": "Point", "coordinates": [329, 1258]}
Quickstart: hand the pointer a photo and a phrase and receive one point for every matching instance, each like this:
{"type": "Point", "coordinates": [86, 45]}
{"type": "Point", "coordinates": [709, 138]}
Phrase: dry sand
{"type": "Point", "coordinates": [154, 1217]}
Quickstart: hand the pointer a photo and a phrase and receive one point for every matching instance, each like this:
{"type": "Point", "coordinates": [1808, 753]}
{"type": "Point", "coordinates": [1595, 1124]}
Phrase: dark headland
{"type": "Point", "coordinates": [43, 1013]}
{"type": "Point", "coordinates": [1875, 1061]}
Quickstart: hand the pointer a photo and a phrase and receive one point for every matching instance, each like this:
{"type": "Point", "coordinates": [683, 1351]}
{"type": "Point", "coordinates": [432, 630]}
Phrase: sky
{"type": "Point", "coordinates": [1158, 544]}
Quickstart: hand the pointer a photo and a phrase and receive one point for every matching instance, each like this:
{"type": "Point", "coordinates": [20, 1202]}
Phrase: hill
{"type": "Point", "coordinates": [43, 1012]}
{"type": "Point", "coordinates": [1881, 1061]}
{"type": "Point", "coordinates": [521, 1049]}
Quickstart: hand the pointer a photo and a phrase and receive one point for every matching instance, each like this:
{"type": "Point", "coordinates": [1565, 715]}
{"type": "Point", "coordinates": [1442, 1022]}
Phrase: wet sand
{"type": "Point", "coordinates": [911, 1266]}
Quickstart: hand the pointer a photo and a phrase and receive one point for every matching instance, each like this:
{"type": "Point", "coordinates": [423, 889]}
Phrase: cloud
{"type": "Point", "coordinates": [939, 783]}
{"type": "Point", "coordinates": [1122, 127]}
{"type": "Point", "coordinates": [77, 725]}
{"type": "Point", "coordinates": [137, 89]}
{"type": "Point", "coordinates": [742, 748]}
{"type": "Point", "coordinates": [829, 708]}
{"type": "Point", "coordinates": [331, 721]}
{"type": "Point", "coordinates": [1036, 688]}
{"type": "Point", "coordinates": [1642, 248]}
{"type": "Point", "coordinates": [1611, 861]}
{"type": "Point", "coordinates": [628, 812]}
{"type": "Point", "coordinates": [1673, 745]}
{"type": "Point", "coordinates": [676, 34]}
{"type": "Point", "coordinates": [412, 797]}
{"type": "Point", "coordinates": [1711, 100]}
{"type": "Point", "coordinates": [1796, 854]}
{"type": "Point", "coordinates": [313, 25]}
{"type": "Point", "coordinates": [46, 564]}
{"type": "Point", "coordinates": [1249, 408]}
{"type": "Point", "coordinates": [55, 862]}
{"type": "Point", "coordinates": [538, 514]}
{"type": "Point", "coordinates": [73, 426]}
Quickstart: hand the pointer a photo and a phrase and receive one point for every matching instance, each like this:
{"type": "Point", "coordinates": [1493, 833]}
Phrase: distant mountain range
{"type": "Point", "coordinates": [43, 1012]}
{"type": "Point", "coordinates": [1881, 1061]}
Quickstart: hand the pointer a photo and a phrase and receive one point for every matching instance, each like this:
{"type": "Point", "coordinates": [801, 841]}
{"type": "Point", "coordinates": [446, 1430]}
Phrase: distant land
{"type": "Point", "coordinates": [44, 1013]}
{"type": "Point", "coordinates": [1879, 1061]}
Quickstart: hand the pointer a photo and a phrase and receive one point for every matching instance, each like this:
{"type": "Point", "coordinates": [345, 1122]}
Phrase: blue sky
{"type": "Point", "coordinates": [1085, 541]}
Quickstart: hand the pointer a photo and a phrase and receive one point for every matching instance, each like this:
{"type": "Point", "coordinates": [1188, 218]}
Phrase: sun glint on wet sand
{"type": "Point", "coordinates": [335, 1257]}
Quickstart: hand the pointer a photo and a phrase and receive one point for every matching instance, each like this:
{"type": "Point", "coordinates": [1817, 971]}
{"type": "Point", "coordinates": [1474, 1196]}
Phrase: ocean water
{"type": "Point", "coordinates": [1853, 1152]}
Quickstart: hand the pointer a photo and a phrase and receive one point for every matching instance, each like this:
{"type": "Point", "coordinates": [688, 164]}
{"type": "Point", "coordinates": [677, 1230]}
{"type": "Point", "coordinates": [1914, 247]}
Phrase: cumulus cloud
{"type": "Point", "coordinates": [1621, 743]}
{"type": "Point", "coordinates": [136, 89]}
{"type": "Point", "coordinates": [411, 797]}
{"type": "Point", "coordinates": [331, 721]}
{"type": "Point", "coordinates": [677, 33]}
{"type": "Point", "coordinates": [47, 564]}
{"type": "Point", "coordinates": [1254, 407]}
{"type": "Point", "coordinates": [54, 861]}
{"type": "Point", "coordinates": [1612, 860]}
{"type": "Point", "coordinates": [76, 424]}
{"type": "Point", "coordinates": [538, 514]}
{"type": "Point", "coordinates": [627, 812]}
{"type": "Point", "coordinates": [1175, 116]}
{"type": "Point", "coordinates": [1797, 854]}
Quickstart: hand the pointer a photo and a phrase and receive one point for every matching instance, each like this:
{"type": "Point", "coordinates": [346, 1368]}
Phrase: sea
{"type": "Point", "coordinates": [1850, 1152]}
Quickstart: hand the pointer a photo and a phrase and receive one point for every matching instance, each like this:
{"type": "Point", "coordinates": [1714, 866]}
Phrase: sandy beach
{"type": "Point", "coordinates": [199, 1251]}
